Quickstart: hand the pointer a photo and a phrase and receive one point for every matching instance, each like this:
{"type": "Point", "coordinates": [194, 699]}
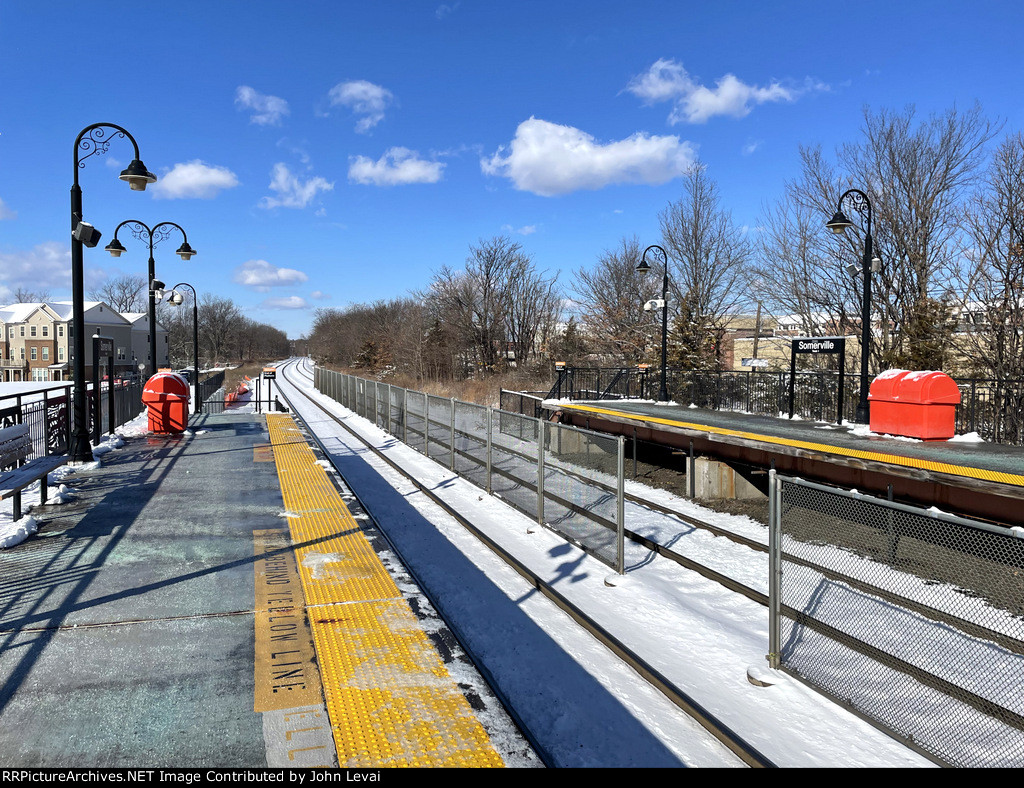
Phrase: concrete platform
{"type": "Point", "coordinates": [126, 623]}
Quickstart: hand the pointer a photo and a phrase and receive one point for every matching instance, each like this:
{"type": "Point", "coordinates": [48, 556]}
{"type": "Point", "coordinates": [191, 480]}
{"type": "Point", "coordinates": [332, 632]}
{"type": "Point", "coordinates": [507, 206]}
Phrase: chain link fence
{"type": "Point", "coordinates": [912, 617]}
{"type": "Point", "coordinates": [547, 471]}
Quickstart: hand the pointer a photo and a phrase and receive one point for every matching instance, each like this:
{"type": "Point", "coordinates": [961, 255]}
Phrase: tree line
{"type": "Point", "coordinates": [946, 193]}
{"type": "Point", "coordinates": [225, 334]}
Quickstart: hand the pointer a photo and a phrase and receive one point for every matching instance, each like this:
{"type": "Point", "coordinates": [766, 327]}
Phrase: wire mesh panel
{"type": "Point", "coordinates": [360, 397]}
{"type": "Point", "coordinates": [514, 447]}
{"type": "Point", "coordinates": [416, 420]}
{"type": "Point", "coordinates": [396, 410]}
{"type": "Point", "coordinates": [471, 442]}
{"type": "Point", "coordinates": [913, 617]}
{"type": "Point", "coordinates": [380, 410]}
{"type": "Point", "coordinates": [439, 430]}
{"type": "Point", "coordinates": [573, 506]}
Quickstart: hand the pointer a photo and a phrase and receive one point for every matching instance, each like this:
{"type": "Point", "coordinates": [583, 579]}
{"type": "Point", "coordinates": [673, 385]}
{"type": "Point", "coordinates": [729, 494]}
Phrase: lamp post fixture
{"type": "Point", "coordinates": [177, 299]}
{"type": "Point", "coordinates": [838, 224]}
{"type": "Point", "coordinates": [154, 236]}
{"type": "Point", "coordinates": [643, 268]}
{"type": "Point", "coordinates": [91, 140]}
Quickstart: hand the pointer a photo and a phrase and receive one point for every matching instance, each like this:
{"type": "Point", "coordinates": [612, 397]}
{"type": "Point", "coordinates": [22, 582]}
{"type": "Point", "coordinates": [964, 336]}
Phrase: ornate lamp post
{"type": "Point", "coordinates": [838, 224]}
{"type": "Point", "coordinates": [643, 268]}
{"type": "Point", "coordinates": [90, 141]}
{"type": "Point", "coordinates": [177, 299]}
{"type": "Point", "coordinates": [154, 236]}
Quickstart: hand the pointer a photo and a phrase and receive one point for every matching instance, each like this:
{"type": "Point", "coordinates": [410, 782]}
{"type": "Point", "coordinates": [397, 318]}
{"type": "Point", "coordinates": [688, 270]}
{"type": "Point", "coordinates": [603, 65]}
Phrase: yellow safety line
{"type": "Point", "coordinates": [892, 459]}
{"type": "Point", "coordinates": [389, 696]}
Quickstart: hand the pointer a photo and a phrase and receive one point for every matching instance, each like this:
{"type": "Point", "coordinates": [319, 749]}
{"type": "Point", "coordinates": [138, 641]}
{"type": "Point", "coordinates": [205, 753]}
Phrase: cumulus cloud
{"type": "Point", "coordinates": [549, 159]}
{"type": "Point", "coordinates": [396, 167]}
{"type": "Point", "coordinates": [261, 275]}
{"type": "Point", "coordinates": [266, 110]}
{"type": "Point", "coordinates": [193, 179]}
{"type": "Point", "coordinates": [287, 302]}
{"type": "Point", "coordinates": [693, 102]}
{"type": "Point", "coordinates": [46, 265]}
{"type": "Point", "coordinates": [5, 212]}
{"type": "Point", "coordinates": [292, 192]}
{"type": "Point", "coordinates": [363, 98]}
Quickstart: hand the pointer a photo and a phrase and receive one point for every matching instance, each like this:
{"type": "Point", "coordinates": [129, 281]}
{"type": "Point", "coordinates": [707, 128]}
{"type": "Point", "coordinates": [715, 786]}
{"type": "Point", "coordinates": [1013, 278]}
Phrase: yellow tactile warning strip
{"type": "Point", "coordinates": [892, 459]}
{"type": "Point", "coordinates": [389, 696]}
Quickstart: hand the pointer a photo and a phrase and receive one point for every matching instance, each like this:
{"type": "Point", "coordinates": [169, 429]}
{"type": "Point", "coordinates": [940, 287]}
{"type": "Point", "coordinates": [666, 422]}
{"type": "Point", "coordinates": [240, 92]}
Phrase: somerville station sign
{"type": "Point", "coordinates": [818, 345]}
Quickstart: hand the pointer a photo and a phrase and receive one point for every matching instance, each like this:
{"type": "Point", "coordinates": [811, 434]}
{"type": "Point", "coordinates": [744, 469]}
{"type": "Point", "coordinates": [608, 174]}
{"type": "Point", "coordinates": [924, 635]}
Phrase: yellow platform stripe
{"type": "Point", "coordinates": [389, 696]}
{"type": "Point", "coordinates": [892, 459]}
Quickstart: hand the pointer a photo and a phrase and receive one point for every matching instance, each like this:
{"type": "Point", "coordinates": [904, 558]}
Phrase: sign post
{"type": "Point", "coordinates": [818, 345]}
{"type": "Point", "coordinates": [269, 374]}
{"type": "Point", "coordinates": [102, 347]}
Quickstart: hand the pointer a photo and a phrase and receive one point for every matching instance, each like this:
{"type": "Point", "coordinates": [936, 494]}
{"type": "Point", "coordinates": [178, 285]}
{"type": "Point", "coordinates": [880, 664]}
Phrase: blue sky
{"type": "Point", "coordinates": [325, 153]}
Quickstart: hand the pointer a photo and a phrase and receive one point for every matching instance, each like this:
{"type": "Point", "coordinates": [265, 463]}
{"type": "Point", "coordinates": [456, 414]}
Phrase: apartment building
{"type": "Point", "coordinates": [37, 340]}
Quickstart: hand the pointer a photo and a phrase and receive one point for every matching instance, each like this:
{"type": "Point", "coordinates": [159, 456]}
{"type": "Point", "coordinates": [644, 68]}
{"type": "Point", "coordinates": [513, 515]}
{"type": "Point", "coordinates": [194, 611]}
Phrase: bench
{"type": "Point", "coordinates": [18, 471]}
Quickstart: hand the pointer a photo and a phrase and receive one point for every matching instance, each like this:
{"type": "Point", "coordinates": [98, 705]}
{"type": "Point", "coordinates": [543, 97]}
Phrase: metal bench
{"type": "Point", "coordinates": [18, 471]}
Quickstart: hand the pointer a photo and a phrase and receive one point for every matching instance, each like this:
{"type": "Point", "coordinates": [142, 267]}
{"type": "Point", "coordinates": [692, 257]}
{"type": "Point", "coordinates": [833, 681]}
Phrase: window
{"type": "Point", "coordinates": [32, 330]}
{"type": "Point", "coordinates": [33, 353]}
{"type": "Point", "coordinates": [46, 354]}
{"type": "Point", "coordinates": [22, 353]}
{"type": "Point", "coordinates": [60, 354]}
{"type": "Point", "coordinates": [46, 331]}
{"type": "Point", "coordinates": [60, 330]}
{"type": "Point", "coordinates": [22, 330]}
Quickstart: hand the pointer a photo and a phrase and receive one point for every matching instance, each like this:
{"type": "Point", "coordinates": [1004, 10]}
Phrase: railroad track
{"type": "Point", "coordinates": [743, 750]}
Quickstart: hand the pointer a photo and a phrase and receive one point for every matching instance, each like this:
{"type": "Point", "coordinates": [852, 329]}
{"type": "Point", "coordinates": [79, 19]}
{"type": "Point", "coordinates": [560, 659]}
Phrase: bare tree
{"type": "Point", "coordinates": [23, 296]}
{"type": "Point", "coordinates": [709, 256]}
{"type": "Point", "coordinates": [611, 297]}
{"type": "Point", "coordinates": [799, 270]}
{"type": "Point", "coordinates": [124, 293]}
{"type": "Point", "coordinates": [219, 318]}
{"type": "Point", "coordinates": [991, 311]}
{"type": "Point", "coordinates": [917, 175]}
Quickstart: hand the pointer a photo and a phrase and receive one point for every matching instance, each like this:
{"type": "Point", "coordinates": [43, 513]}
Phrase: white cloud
{"type": "Point", "coordinates": [751, 147]}
{"type": "Point", "coordinates": [549, 159]}
{"type": "Point", "coordinates": [363, 98]}
{"type": "Point", "coordinates": [291, 191]}
{"type": "Point", "coordinates": [693, 102]}
{"type": "Point", "coordinates": [318, 295]}
{"type": "Point", "coordinates": [47, 266]}
{"type": "Point", "coordinates": [444, 10]}
{"type": "Point", "coordinates": [5, 212]}
{"type": "Point", "coordinates": [261, 275]}
{"type": "Point", "coordinates": [288, 302]}
{"type": "Point", "coordinates": [397, 166]}
{"type": "Point", "coordinates": [194, 179]}
{"type": "Point", "coordinates": [528, 229]}
{"type": "Point", "coordinates": [266, 110]}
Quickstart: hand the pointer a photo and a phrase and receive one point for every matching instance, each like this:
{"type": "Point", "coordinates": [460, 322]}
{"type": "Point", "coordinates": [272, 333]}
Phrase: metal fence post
{"type": "Point", "coordinates": [620, 508]}
{"type": "Point", "coordinates": [691, 472]}
{"type": "Point", "coordinates": [540, 471]}
{"type": "Point", "coordinates": [451, 462]}
{"type": "Point", "coordinates": [490, 428]}
{"type": "Point", "coordinates": [774, 572]}
{"type": "Point", "coordinates": [426, 424]}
